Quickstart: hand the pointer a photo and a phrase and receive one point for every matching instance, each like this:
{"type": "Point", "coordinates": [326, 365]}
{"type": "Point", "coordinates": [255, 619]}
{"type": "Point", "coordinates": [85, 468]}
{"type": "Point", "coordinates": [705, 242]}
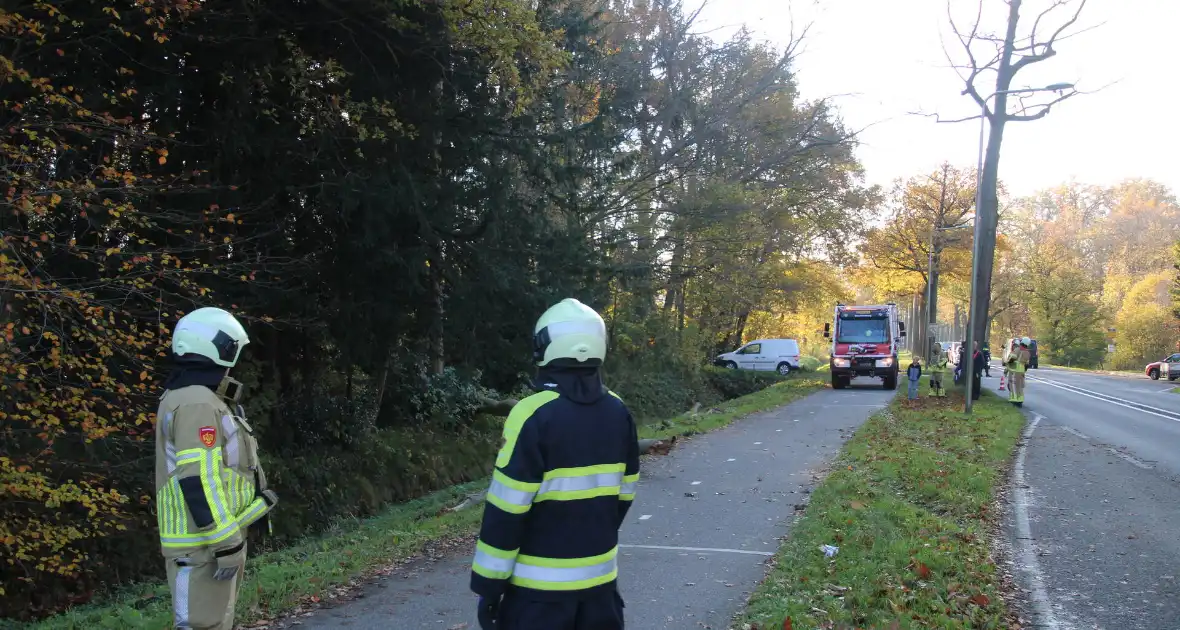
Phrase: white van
{"type": "Point", "coordinates": [778, 355]}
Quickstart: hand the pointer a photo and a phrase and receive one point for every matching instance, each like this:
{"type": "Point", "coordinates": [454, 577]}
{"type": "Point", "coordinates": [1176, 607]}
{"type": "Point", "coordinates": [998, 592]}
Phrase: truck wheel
{"type": "Point", "coordinates": [784, 368]}
{"type": "Point", "coordinates": [890, 382]}
{"type": "Point", "coordinates": [838, 382]}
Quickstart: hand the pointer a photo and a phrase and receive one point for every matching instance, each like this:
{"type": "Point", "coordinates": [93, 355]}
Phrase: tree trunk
{"type": "Point", "coordinates": [437, 327]}
{"type": "Point", "coordinates": [989, 210]}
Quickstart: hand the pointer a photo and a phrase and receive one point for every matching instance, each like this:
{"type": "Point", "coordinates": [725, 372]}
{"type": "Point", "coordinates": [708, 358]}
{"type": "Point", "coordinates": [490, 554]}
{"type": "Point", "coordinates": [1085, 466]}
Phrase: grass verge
{"type": "Point", "coordinates": [282, 581]}
{"type": "Point", "coordinates": [776, 395]}
{"type": "Point", "coordinates": [909, 504]}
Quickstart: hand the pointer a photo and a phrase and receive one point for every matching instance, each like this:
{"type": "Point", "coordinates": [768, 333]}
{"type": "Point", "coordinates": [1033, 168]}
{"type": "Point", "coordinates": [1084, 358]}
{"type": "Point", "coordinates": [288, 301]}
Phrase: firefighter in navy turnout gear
{"type": "Point", "coordinates": [210, 487]}
{"type": "Point", "coordinates": [563, 482]}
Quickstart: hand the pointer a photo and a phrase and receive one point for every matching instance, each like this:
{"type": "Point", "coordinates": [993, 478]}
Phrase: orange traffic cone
{"type": "Point", "coordinates": [1002, 382]}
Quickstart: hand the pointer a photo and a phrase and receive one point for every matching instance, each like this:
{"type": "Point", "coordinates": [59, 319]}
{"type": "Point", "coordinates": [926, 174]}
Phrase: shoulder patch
{"type": "Point", "coordinates": [208, 436]}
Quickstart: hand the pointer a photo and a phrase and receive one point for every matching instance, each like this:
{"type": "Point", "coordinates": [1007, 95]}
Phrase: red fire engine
{"type": "Point", "coordinates": [865, 343]}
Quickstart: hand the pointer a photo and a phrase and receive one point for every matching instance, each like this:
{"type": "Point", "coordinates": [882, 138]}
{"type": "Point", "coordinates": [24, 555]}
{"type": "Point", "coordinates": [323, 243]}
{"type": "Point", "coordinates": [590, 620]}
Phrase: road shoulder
{"type": "Point", "coordinates": [1094, 536]}
{"type": "Point", "coordinates": [706, 519]}
{"type": "Point", "coordinates": [337, 564]}
{"type": "Point", "coordinates": [910, 506]}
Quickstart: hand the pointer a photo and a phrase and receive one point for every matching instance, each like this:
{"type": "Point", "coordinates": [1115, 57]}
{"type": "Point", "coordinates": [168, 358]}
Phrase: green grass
{"type": "Point", "coordinates": [281, 581]}
{"type": "Point", "coordinates": [909, 504]}
{"type": "Point", "coordinates": [710, 419]}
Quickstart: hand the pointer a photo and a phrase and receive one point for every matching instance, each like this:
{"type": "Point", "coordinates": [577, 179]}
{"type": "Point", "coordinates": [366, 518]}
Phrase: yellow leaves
{"type": "Point", "coordinates": [143, 376]}
{"type": "Point", "coordinates": [112, 250]}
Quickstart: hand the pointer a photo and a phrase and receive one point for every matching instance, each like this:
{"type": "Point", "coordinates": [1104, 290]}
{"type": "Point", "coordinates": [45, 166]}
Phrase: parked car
{"type": "Point", "coordinates": [1168, 366]}
{"type": "Point", "coordinates": [778, 355]}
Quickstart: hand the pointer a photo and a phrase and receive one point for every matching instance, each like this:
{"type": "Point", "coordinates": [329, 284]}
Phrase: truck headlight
{"type": "Point", "coordinates": [886, 362]}
{"type": "Point", "coordinates": [841, 362]}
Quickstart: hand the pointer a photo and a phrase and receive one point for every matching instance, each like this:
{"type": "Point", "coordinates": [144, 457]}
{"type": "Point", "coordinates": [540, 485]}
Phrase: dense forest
{"type": "Point", "coordinates": [387, 194]}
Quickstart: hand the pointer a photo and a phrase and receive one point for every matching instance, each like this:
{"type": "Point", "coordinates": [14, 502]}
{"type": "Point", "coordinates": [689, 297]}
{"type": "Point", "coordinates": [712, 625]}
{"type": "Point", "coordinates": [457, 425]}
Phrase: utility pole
{"type": "Point", "coordinates": [983, 249]}
{"type": "Point", "coordinates": [934, 258]}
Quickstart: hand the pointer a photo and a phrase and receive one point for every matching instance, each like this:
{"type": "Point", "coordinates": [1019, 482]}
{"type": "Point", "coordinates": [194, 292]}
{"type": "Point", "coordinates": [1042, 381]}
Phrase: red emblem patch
{"type": "Point", "coordinates": [208, 436]}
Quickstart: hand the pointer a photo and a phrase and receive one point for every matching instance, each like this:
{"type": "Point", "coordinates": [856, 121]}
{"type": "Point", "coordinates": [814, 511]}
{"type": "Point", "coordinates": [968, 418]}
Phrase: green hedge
{"type": "Point", "coordinates": [652, 395]}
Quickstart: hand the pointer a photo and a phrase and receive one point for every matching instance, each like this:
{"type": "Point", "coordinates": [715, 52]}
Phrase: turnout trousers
{"type": "Point", "coordinates": [200, 602]}
{"type": "Point", "coordinates": [1016, 387]}
{"type": "Point", "coordinates": [600, 612]}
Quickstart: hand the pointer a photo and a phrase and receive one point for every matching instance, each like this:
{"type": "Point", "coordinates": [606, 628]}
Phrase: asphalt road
{"type": "Point", "coordinates": [705, 521]}
{"type": "Point", "coordinates": [1095, 524]}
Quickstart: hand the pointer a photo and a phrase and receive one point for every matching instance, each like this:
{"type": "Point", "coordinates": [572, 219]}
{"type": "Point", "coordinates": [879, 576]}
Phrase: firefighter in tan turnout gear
{"type": "Point", "coordinates": [209, 485]}
{"type": "Point", "coordinates": [1016, 364]}
{"type": "Point", "coordinates": [937, 366]}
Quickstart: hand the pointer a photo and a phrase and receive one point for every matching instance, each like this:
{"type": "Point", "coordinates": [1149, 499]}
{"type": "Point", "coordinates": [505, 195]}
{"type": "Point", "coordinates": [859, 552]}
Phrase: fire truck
{"type": "Point", "coordinates": [865, 341]}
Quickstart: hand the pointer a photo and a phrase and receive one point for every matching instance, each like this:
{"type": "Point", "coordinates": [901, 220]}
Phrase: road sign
{"type": "Point", "coordinates": [1110, 348]}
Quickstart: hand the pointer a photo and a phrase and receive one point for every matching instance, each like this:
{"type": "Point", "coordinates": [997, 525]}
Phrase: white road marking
{"type": "Point", "coordinates": [1130, 459]}
{"type": "Point", "coordinates": [1076, 432]}
{"type": "Point", "coordinates": [731, 460]}
{"type": "Point", "coordinates": [1025, 552]}
{"type": "Point", "coordinates": [757, 443]}
{"type": "Point", "coordinates": [778, 430]}
{"type": "Point", "coordinates": [1163, 413]}
{"type": "Point", "coordinates": [696, 483]}
{"type": "Point", "coordinates": [645, 517]}
{"type": "Point", "coordinates": [699, 549]}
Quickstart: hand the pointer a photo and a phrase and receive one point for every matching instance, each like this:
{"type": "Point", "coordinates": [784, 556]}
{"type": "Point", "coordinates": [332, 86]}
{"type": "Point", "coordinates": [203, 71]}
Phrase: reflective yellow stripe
{"type": "Point", "coordinates": [194, 540]}
{"type": "Point", "coordinates": [511, 495]}
{"type": "Point", "coordinates": [516, 419]}
{"type": "Point", "coordinates": [253, 513]}
{"type": "Point", "coordinates": [493, 563]}
{"type": "Point", "coordinates": [211, 482]}
{"type": "Point", "coordinates": [565, 574]}
{"type": "Point", "coordinates": [231, 498]}
{"type": "Point", "coordinates": [630, 483]}
{"type": "Point", "coordinates": [586, 482]}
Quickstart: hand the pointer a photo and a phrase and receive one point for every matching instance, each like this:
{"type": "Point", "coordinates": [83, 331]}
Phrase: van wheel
{"type": "Point", "coordinates": [730, 365]}
{"type": "Point", "coordinates": [784, 368]}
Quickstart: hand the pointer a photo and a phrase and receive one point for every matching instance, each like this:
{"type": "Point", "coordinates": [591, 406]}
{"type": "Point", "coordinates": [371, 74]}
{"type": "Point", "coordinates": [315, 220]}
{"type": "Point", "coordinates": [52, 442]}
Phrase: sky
{"type": "Point", "coordinates": [882, 60]}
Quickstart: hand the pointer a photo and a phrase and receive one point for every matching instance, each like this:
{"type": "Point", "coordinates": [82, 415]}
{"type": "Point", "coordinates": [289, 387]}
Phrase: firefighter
{"type": "Point", "coordinates": [563, 481]}
{"type": "Point", "coordinates": [209, 485]}
{"type": "Point", "coordinates": [938, 367]}
{"type": "Point", "coordinates": [1017, 365]}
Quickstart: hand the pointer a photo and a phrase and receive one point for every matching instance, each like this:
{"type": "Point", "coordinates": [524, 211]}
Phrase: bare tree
{"type": "Point", "coordinates": [1008, 54]}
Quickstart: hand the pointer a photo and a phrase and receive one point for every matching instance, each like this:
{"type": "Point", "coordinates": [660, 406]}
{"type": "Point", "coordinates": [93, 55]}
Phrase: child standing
{"type": "Point", "coordinates": [913, 373]}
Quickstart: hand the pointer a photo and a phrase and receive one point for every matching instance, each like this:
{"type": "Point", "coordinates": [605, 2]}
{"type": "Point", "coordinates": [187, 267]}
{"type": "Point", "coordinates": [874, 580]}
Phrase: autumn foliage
{"type": "Point", "coordinates": [92, 268]}
{"type": "Point", "coordinates": [399, 185]}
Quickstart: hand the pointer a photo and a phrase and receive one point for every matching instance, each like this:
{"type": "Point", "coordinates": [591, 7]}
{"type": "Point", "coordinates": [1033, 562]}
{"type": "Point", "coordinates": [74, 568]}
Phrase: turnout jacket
{"type": "Point", "coordinates": [563, 482]}
{"type": "Point", "coordinates": [209, 482]}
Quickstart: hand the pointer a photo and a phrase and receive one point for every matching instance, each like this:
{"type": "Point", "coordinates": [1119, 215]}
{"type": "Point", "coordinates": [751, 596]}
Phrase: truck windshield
{"type": "Point", "coordinates": [863, 330]}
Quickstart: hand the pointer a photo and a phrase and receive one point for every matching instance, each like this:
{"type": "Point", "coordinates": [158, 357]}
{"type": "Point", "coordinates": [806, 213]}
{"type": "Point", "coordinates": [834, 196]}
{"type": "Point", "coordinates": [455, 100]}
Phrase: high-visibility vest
{"type": "Point", "coordinates": [208, 476]}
